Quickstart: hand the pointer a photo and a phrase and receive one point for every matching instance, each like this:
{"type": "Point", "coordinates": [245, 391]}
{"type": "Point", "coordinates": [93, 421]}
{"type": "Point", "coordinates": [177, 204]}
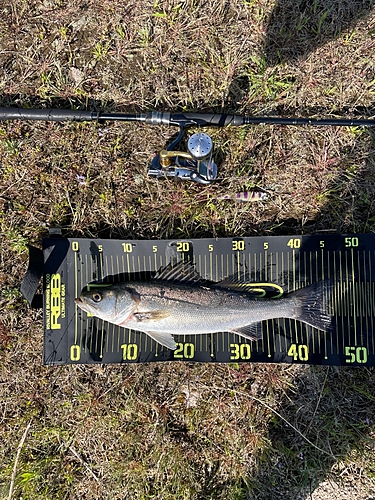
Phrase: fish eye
{"type": "Point", "coordinates": [97, 297]}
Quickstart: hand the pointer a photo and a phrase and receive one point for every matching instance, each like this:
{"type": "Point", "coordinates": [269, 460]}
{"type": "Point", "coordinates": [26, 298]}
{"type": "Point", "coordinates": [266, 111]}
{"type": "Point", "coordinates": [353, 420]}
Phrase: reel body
{"type": "Point", "coordinates": [196, 164]}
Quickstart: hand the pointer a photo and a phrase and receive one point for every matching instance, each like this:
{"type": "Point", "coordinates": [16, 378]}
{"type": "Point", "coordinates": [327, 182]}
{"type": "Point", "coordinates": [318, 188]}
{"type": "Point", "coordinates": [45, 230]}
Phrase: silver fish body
{"type": "Point", "coordinates": [161, 308]}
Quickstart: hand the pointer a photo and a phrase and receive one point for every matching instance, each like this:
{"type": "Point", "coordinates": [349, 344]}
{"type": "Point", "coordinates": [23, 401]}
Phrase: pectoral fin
{"type": "Point", "coordinates": [151, 315]}
{"type": "Point", "coordinates": [252, 331]}
{"type": "Point", "coordinates": [164, 339]}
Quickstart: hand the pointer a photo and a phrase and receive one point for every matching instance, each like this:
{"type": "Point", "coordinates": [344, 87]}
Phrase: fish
{"type": "Point", "coordinates": [178, 301]}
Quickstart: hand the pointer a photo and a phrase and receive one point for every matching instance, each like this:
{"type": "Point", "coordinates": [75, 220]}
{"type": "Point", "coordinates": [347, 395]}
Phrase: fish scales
{"type": "Point", "coordinates": [202, 310]}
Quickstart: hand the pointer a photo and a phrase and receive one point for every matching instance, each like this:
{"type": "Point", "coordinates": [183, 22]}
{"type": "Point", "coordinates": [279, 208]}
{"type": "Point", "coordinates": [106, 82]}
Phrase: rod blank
{"type": "Point", "coordinates": [177, 119]}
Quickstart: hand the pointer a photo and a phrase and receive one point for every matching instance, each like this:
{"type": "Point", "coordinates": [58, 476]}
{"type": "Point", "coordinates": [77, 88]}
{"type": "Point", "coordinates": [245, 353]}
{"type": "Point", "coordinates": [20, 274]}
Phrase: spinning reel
{"type": "Point", "coordinates": [196, 164]}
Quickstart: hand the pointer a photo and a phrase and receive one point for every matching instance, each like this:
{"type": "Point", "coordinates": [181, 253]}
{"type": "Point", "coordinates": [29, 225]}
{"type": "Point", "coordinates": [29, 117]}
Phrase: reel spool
{"type": "Point", "coordinates": [196, 164]}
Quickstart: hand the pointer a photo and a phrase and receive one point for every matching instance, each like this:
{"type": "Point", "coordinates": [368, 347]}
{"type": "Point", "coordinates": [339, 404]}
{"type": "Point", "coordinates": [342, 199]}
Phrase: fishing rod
{"type": "Point", "coordinates": [197, 163]}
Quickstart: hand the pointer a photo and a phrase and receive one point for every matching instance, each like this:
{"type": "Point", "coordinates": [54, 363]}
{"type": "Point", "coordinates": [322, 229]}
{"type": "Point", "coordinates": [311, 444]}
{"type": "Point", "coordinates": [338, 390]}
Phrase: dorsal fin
{"type": "Point", "coordinates": [182, 272]}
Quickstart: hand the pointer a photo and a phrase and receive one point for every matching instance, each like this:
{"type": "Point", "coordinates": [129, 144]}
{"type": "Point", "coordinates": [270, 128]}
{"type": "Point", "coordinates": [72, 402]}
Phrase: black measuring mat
{"type": "Point", "coordinates": [269, 265]}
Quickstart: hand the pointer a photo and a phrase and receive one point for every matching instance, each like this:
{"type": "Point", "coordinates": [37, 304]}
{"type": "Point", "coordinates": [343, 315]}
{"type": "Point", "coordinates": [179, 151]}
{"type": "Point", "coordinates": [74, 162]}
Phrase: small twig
{"type": "Point", "coordinates": [292, 426]}
{"type": "Point", "coordinates": [13, 477]}
{"type": "Point", "coordinates": [318, 402]}
{"type": "Point", "coordinates": [83, 462]}
{"type": "Point", "coordinates": [330, 454]}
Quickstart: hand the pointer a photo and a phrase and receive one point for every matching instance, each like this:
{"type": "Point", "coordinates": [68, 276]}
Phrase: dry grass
{"type": "Point", "coordinates": [182, 430]}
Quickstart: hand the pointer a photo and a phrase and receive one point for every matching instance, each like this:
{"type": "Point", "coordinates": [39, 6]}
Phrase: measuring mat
{"type": "Point", "coordinates": [270, 266]}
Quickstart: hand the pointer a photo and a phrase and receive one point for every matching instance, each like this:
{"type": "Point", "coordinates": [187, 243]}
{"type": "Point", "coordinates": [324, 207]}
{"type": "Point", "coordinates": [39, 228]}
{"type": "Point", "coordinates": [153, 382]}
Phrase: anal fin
{"type": "Point", "coordinates": [253, 331]}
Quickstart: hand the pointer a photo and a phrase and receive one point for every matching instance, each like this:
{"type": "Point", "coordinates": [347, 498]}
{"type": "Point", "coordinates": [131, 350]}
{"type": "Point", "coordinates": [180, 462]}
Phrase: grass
{"type": "Point", "coordinates": [181, 430]}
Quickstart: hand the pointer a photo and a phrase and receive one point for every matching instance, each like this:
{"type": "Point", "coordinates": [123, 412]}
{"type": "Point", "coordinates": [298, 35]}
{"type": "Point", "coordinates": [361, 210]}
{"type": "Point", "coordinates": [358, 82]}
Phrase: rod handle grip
{"type": "Point", "coordinates": [50, 115]}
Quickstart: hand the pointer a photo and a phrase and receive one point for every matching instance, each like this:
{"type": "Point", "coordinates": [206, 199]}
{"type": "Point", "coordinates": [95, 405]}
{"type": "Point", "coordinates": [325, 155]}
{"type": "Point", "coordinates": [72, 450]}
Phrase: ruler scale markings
{"type": "Point", "coordinates": [121, 275]}
{"type": "Point", "coordinates": [274, 332]}
{"type": "Point", "coordinates": [216, 278]}
{"type": "Point", "coordinates": [347, 298]}
{"type": "Point", "coordinates": [277, 268]}
{"type": "Point", "coordinates": [316, 331]}
{"type": "Point", "coordinates": [78, 324]}
{"type": "Point", "coordinates": [278, 281]}
{"type": "Point", "coordinates": [335, 303]}
{"type": "Point", "coordinates": [226, 273]}
{"type": "Point", "coordinates": [359, 296]}
{"type": "Point", "coordinates": [264, 279]}
{"type": "Point", "coordinates": [328, 298]}
{"type": "Point", "coordinates": [371, 302]}
{"type": "Point", "coordinates": [249, 267]}
{"type": "Point", "coordinates": [339, 283]}
{"type": "Point", "coordinates": [266, 266]}
{"type": "Point", "coordinates": [268, 339]}
{"type": "Point", "coordinates": [321, 277]}
{"type": "Point", "coordinates": [280, 337]}
{"type": "Point", "coordinates": [106, 264]}
{"type": "Point", "coordinates": [211, 267]}
{"type": "Point", "coordinates": [113, 339]}
{"type": "Point", "coordinates": [364, 321]}
{"type": "Point", "coordinates": [338, 289]}
{"type": "Point", "coordinates": [76, 294]}
{"type": "Point", "coordinates": [239, 276]}
{"type": "Point", "coordinates": [102, 341]}
{"type": "Point", "coordinates": [90, 323]}
{"type": "Point", "coordinates": [365, 294]}
{"type": "Point", "coordinates": [340, 296]}
{"type": "Point", "coordinates": [81, 323]}
{"type": "Point", "coordinates": [106, 324]}
{"type": "Point", "coordinates": [117, 334]}
{"type": "Point", "coordinates": [118, 272]}
{"type": "Point", "coordinates": [96, 345]}
{"type": "Point", "coordinates": [283, 320]}
{"type": "Point", "coordinates": [238, 264]}
{"type": "Point", "coordinates": [364, 284]}
{"type": "Point", "coordinates": [296, 279]}
{"type": "Point", "coordinates": [348, 287]}
{"type": "Point", "coordinates": [155, 261]}
{"type": "Point", "coordinates": [128, 265]}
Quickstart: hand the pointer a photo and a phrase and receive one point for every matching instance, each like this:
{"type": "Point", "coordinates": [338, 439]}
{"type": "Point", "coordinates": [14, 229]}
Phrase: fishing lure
{"type": "Point", "coordinates": [245, 196]}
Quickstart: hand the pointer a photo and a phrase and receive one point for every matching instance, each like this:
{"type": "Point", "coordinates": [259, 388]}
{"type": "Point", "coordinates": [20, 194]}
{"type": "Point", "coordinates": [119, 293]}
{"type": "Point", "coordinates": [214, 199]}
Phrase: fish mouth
{"type": "Point", "coordinates": [81, 304]}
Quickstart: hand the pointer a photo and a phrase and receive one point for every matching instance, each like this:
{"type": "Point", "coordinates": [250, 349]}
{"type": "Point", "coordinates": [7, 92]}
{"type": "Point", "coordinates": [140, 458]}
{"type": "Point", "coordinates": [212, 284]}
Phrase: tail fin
{"type": "Point", "coordinates": [311, 305]}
